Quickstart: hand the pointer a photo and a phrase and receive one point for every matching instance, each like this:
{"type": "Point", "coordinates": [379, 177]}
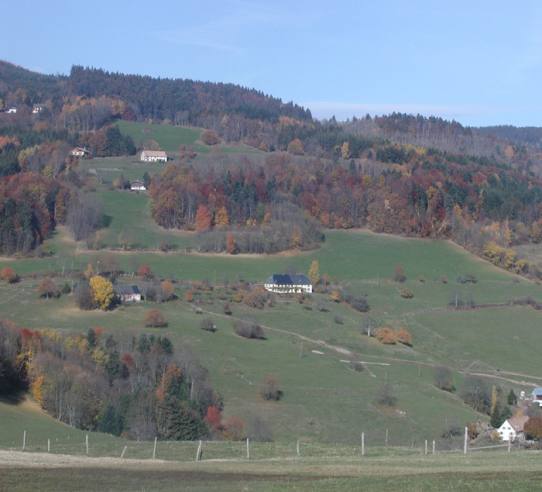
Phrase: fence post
{"type": "Point", "coordinates": [198, 452]}
{"type": "Point", "coordinates": [297, 449]}
{"type": "Point", "coordinates": [433, 446]}
{"type": "Point", "coordinates": [363, 444]}
{"type": "Point", "coordinates": [387, 437]}
{"type": "Point", "coordinates": [425, 448]}
{"type": "Point", "coordinates": [509, 443]}
{"type": "Point", "coordinates": [48, 445]}
{"type": "Point", "coordinates": [248, 448]}
{"type": "Point", "coordinates": [24, 440]}
{"type": "Point", "coordinates": [86, 443]}
{"type": "Point", "coordinates": [123, 451]}
{"type": "Point", "coordinates": [465, 442]}
{"type": "Point", "coordinates": [154, 449]}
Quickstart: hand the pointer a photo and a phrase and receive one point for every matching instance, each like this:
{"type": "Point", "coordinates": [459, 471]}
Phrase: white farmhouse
{"type": "Point", "coordinates": [79, 152]}
{"type": "Point", "coordinates": [128, 293]}
{"type": "Point", "coordinates": [536, 396]}
{"type": "Point", "coordinates": [137, 185]}
{"type": "Point", "coordinates": [283, 283]}
{"type": "Point", "coordinates": [512, 428]}
{"type": "Point", "coordinates": [12, 110]}
{"type": "Point", "coordinates": [153, 156]}
{"type": "Point", "coordinates": [37, 108]}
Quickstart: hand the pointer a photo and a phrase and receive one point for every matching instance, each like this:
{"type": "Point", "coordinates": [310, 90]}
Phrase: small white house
{"type": "Point", "coordinates": [512, 428]}
{"type": "Point", "coordinates": [128, 293]}
{"type": "Point", "coordinates": [153, 156]}
{"type": "Point", "coordinates": [12, 110]}
{"type": "Point", "coordinates": [79, 152]}
{"type": "Point", "coordinates": [37, 108]}
{"type": "Point", "coordinates": [536, 396]}
{"type": "Point", "coordinates": [281, 283]}
{"type": "Point", "coordinates": [137, 185]}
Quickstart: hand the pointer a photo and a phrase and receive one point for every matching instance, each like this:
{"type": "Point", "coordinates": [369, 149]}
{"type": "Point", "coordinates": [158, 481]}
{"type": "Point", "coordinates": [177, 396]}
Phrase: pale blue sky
{"type": "Point", "coordinates": [477, 61]}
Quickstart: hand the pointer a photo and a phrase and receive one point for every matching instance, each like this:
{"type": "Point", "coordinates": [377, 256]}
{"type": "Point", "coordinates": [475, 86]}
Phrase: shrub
{"type": "Point", "coordinates": [403, 336]}
{"type": "Point", "coordinates": [209, 137]}
{"type": "Point", "coordinates": [406, 293]}
{"type": "Point", "coordinates": [399, 274]}
{"type": "Point", "coordinates": [338, 319]}
{"type": "Point", "coordinates": [322, 307]}
{"type": "Point", "coordinates": [48, 289]}
{"type": "Point", "coordinates": [335, 295]}
{"type": "Point", "coordinates": [83, 296]}
{"type": "Point", "coordinates": [144, 271]}
{"type": "Point", "coordinates": [189, 296]}
{"type": "Point", "coordinates": [249, 330]}
{"type": "Point", "coordinates": [270, 389]}
{"type": "Point", "coordinates": [386, 397]}
{"type": "Point", "coordinates": [234, 429]}
{"type": "Point", "coordinates": [360, 304]}
{"type": "Point", "coordinates": [66, 288]}
{"type": "Point", "coordinates": [443, 379]}
{"type": "Point", "coordinates": [207, 325]}
{"type": "Point", "coordinates": [256, 298]}
{"type": "Point", "coordinates": [155, 319]}
{"type": "Point", "coordinates": [467, 279]}
{"type": "Point", "coordinates": [386, 335]}
{"type": "Point", "coordinates": [168, 290]}
{"type": "Point", "coordinates": [8, 275]}
{"type": "Point", "coordinates": [357, 366]}
{"type": "Point", "coordinates": [227, 309]}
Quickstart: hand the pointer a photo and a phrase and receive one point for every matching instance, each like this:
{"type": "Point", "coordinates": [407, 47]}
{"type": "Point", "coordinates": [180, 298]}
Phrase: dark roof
{"type": "Point", "coordinates": [537, 392]}
{"type": "Point", "coordinates": [126, 290]}
{"type": "Point", "coordinates": [288, 279]}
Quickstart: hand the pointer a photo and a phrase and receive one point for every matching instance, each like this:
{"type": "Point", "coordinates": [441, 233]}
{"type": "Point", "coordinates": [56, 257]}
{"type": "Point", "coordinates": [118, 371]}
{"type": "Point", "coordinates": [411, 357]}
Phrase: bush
{"type": "Point", "coordinates": [406, 293]}
{"type": "Point", "coordinates": [270, 389]}
{"type": "Point", "coordinates": [8, 275]}
{"type": "Point", "coordinates": [386, 335]}
{"type": "Point", "coordinates": [322, 307]}
{"type": "Point", "coordinates": [443, 379]}
{"type": "Point", "coordinates": [207, 325]}
{"type": "Point", "coordinates": [399, 274]}
{"type": "Point", "coordinates": [209, 137]}
{"type": "Point", "coordinates": [467, 279]}
{"type": "Point", "coordinates": [66, 288]}
{"type": "Point", "coordinates": [48, 289]}
{"type": "Point", "coordinates": [155, 319]}
{"type": "Point", "coordinates": [256, 298]}
{"type": "Point", "coordinates": [83, 296]}
{"type": "Point", "coordinates": [403, 336]}
{"type": "Point", "coordinates": [359, 304]}
{"type": "Point", "coordinates": [168, 290]}
{"type": "Point", "coordinates": [249, 330]}
{"type": "Point", "coordinates": [227, 309]}
{"type": "Point", "coordinates": [338, 319]}
{"type": "Point", "coordinates": [386, 397]}
{"type": "Point", "coordinates": [357, 366]}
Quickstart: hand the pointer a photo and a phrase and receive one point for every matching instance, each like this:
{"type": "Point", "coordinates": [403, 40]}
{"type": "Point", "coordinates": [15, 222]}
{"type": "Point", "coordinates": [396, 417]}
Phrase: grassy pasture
{"type": "Point", "coordinates": [170, 137]}
{"type": "Point", "coordinates": [325, 400]}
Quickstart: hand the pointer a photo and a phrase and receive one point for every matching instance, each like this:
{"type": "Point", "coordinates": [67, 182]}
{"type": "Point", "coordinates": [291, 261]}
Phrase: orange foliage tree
{"type": "Point", "coordinates": [203, 219]}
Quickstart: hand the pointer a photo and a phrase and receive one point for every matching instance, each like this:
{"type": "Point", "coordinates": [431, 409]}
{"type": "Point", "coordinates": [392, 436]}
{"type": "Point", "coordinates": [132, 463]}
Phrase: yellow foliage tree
{"type": "Point", "coordinates": [222, 218]}
{"type": "Point", "coordinates": [102, 291]}
{"type": "Point", "coordinates": [37, 389]}
{"type": "Point", "coordinates": [314, 272]}
{"type": "Point", "coordinates": [345, 150]}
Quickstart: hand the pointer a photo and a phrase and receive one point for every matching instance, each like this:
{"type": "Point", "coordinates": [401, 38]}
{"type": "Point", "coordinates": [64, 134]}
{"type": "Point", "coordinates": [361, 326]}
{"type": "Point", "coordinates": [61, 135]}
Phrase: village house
{"type": "Point", "coordinates": [283, 283]}
{"type": "Point", "coordinates": [512, 428]}
{"type": "Point", "coordinates": [536, 396]}
{"type": "Point", "coordinates": [12, 110]}
{"type": "Point", "coordinates": [128, 293]}
{"type": "Point", "coordinates": [137, 185]}
{"type": "Point", "coordinates": [79, 152]}
{"type": "Point", "coordinates": [153, 156]}
{"type": "Point", "coordinates": [37, 108]}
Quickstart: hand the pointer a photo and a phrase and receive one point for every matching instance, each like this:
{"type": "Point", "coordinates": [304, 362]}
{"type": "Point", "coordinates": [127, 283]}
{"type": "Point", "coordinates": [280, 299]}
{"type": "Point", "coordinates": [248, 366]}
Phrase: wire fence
{"type": "Point", "coordinates": [188, 451]}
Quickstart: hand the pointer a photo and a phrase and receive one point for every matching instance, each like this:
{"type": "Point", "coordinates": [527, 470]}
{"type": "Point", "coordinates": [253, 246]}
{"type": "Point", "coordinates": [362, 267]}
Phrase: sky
{"type": "Point", "coordinates": [478, 62]}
